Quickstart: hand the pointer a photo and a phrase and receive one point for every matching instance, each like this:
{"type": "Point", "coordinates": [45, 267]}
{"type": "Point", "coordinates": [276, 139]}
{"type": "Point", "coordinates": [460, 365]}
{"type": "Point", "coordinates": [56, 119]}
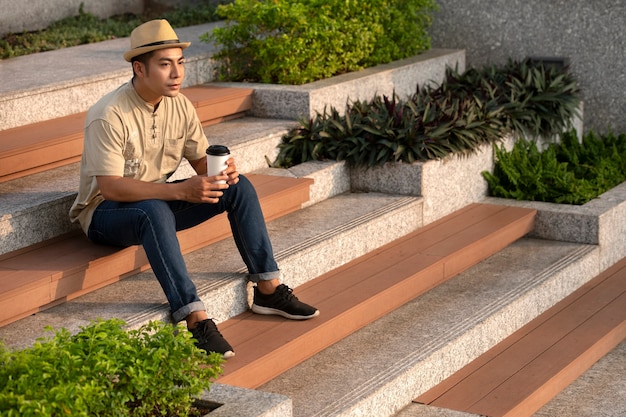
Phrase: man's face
{"type": "Point", "coordinates": [164, 73]}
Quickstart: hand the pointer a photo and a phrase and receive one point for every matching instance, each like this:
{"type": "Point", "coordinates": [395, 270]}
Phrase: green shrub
{"type": "Point", "coordinates": [568, 172]}
{"type": "Point", "coordinates": [299, 41]}
{"type": "Point", "coordinates": [465, 111]}
{"type": "Point", "coordinates": [106, 371]}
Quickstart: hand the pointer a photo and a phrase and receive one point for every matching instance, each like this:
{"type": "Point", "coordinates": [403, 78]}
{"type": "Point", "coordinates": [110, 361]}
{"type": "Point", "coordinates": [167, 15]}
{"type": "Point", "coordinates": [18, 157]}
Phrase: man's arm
{"type": "Point", "coordinates": [197, 189]}
{"type": "Point", "coordinates": [199, 165]}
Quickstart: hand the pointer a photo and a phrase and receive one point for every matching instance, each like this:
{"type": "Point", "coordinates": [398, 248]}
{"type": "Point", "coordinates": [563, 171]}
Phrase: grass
{"type": "Point", "coordinates": [86, 28]}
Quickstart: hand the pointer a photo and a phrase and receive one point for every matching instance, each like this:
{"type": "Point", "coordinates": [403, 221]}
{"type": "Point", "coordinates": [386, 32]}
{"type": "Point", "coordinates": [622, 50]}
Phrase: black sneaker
{"type": "Point", "coordinates": [210, 339]}
{"type": "Point", "coordinates": [282, 303]}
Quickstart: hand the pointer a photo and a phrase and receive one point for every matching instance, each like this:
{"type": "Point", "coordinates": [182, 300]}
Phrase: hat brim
{"type": "Point", "coordinates": [128, 56]}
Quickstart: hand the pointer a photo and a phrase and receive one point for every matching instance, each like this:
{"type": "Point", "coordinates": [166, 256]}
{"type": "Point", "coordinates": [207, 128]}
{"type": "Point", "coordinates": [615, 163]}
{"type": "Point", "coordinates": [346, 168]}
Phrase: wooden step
{"type": "Point", "coordinates": [361, 291]}
{"type": "Point", "coordinates": [525, 371]}
{"type": "Point", "coordinates": [43, 275]}
{"type": "Point", "coordinates": [217, 104]}
{"type": "Point", "coordinates": [44, 145]}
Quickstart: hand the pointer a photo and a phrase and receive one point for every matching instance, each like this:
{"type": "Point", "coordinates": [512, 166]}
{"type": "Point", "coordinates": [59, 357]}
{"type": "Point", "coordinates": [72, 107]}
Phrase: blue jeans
{"type": "Point", "coordinates": [154, 223]}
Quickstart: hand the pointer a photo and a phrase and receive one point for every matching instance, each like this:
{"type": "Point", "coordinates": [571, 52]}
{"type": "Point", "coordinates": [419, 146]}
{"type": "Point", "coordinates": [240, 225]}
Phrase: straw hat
{"type": "Point", "coordinates": [153, 35]}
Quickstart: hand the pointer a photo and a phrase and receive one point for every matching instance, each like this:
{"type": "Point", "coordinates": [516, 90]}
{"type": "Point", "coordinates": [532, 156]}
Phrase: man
{"type": "Point", "coordinates": [135, 138]}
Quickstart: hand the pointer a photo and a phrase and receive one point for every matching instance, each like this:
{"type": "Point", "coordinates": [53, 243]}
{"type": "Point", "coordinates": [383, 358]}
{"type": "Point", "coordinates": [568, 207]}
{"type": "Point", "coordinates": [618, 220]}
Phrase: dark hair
{"type": "Point", "coordinates": [143, 58]}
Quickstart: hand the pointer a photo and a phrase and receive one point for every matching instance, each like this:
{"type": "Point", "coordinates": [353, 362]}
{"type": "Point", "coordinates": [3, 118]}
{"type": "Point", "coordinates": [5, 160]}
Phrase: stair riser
{"type": "Point", "coordinates": [36, 224]}
{"type": "Point", "coordinates": [56, 101]}
{"type": "Point", "coordinates": [254, 156]}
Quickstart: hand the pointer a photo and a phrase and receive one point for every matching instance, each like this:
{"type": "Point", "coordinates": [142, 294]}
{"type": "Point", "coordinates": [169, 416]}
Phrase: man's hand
{"type": "Point", "coordinates": [203, 189]}
{"type": "Point", "coordinates": [231, 172]}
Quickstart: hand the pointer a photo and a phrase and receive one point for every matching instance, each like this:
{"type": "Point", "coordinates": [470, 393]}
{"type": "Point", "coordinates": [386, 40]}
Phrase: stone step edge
{"type": "Point", "coordinates": [395, 387]}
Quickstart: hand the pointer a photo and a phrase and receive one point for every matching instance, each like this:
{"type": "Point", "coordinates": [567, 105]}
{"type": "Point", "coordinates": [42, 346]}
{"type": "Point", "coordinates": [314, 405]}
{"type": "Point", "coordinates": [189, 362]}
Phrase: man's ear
{"type": "Point", "coordinates": [139, 68]}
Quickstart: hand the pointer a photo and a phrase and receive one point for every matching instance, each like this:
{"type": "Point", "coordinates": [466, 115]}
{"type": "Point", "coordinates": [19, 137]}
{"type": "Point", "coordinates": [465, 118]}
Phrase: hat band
{"type": "Point", "coordinates": [158, 43]}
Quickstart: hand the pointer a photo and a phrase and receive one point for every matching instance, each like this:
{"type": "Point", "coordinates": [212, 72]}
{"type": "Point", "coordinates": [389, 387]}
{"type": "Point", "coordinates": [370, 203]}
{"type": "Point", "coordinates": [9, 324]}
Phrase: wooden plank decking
{"type": "Point", "coordinates": [367, 288]}
{"type": "Point", "coordinates": [44, 145]}
{"type": "Point", "coordinates": [60, 269]}
{"type": "Point", "coordinates": [526, 370]}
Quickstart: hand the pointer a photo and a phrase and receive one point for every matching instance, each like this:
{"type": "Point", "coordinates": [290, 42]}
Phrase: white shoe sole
{"type": "Point", "coordinates": [275, 312]}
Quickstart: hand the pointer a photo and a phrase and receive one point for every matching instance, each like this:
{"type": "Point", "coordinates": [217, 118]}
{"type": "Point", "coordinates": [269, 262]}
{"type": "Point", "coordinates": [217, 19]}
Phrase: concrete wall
{"type": "Point", "coordinates": [591, 34]}
{"type": "Point", "coordinates": [30, 15]}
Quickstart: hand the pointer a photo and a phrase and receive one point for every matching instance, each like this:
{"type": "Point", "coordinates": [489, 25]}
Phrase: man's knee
{"type": "Point", "coordinates": [244, 187]}
{"type": "Point", "coordinates": [156, 211]}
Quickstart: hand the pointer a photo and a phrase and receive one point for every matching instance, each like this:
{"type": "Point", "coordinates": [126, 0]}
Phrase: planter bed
{"type": "Point", "coordinates": [450, 184]}
{"type": "Point", "coordinates": [292, 102]}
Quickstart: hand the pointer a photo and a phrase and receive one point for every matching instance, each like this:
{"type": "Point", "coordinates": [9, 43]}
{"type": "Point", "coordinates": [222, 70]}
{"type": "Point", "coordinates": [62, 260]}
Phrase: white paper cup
{"type": "Point", "coordinates": [216, 157]}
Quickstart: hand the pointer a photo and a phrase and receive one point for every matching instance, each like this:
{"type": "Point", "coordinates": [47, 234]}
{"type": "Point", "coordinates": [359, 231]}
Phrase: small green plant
{"type": "Point", "coordinates": [299, 41]}
{"type": "Point", "coordinates": [465, 111]}
{"type": "Point", "coordinates": [568, 172]}
{"type": "Point", "coordinates": [105, 370]}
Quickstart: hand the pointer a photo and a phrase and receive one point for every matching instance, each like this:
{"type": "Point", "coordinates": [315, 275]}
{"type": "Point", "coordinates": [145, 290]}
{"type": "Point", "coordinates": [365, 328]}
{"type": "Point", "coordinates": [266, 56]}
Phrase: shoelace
{"type": "Point", "coordinates": [207, 327]}
{"type": "Point", "coordinates": [285, 292]}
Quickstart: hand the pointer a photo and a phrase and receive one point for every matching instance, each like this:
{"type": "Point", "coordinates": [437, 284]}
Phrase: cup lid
{"type": "Point", "coordinates": [218, 150]}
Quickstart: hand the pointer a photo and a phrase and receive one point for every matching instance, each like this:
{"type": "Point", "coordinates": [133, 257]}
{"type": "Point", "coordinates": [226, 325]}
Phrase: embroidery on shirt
{"type": "Point", "coordinates": [133, 157]}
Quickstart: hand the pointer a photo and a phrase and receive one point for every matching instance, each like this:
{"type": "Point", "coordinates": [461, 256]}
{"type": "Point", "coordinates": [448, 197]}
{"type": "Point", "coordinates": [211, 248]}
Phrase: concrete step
{"type": "Point", "coordinates": [35, 208]}
{"type": "Point", "coordinates": [341, 231]}
{"type": "Point", "coordinates": [380, 369]}
{"type": "Point", "coordinates": [59, 83]}
{"type": "Point", "coordinates": [369, 287]}
{"type": "Point", "coordinates": [56, 270]}
{"type": "Point", "coordinates": [523, 372]}
{"type": "Point", "coordinates": [329, 234]}
{"type": "Point", "coordinates": [599, 391]}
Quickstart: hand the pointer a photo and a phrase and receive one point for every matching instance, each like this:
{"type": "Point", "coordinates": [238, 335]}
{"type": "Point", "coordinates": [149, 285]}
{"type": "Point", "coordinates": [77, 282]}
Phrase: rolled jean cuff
{"type": "Point", "coordinates": [184, 311]}
{"type": "Point", "coordinates": [264, 276]}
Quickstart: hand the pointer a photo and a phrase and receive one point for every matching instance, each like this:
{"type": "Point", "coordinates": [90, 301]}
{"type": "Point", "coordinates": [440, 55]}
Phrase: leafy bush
{"type": "Point", "coordinates": [106, 371]}
{"type": "Point", "coordinates": [568, 172]}
{"type": "Point", "coordinates": [299, 41]}
{"type": "Point", "coordinates": [465, 111]}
